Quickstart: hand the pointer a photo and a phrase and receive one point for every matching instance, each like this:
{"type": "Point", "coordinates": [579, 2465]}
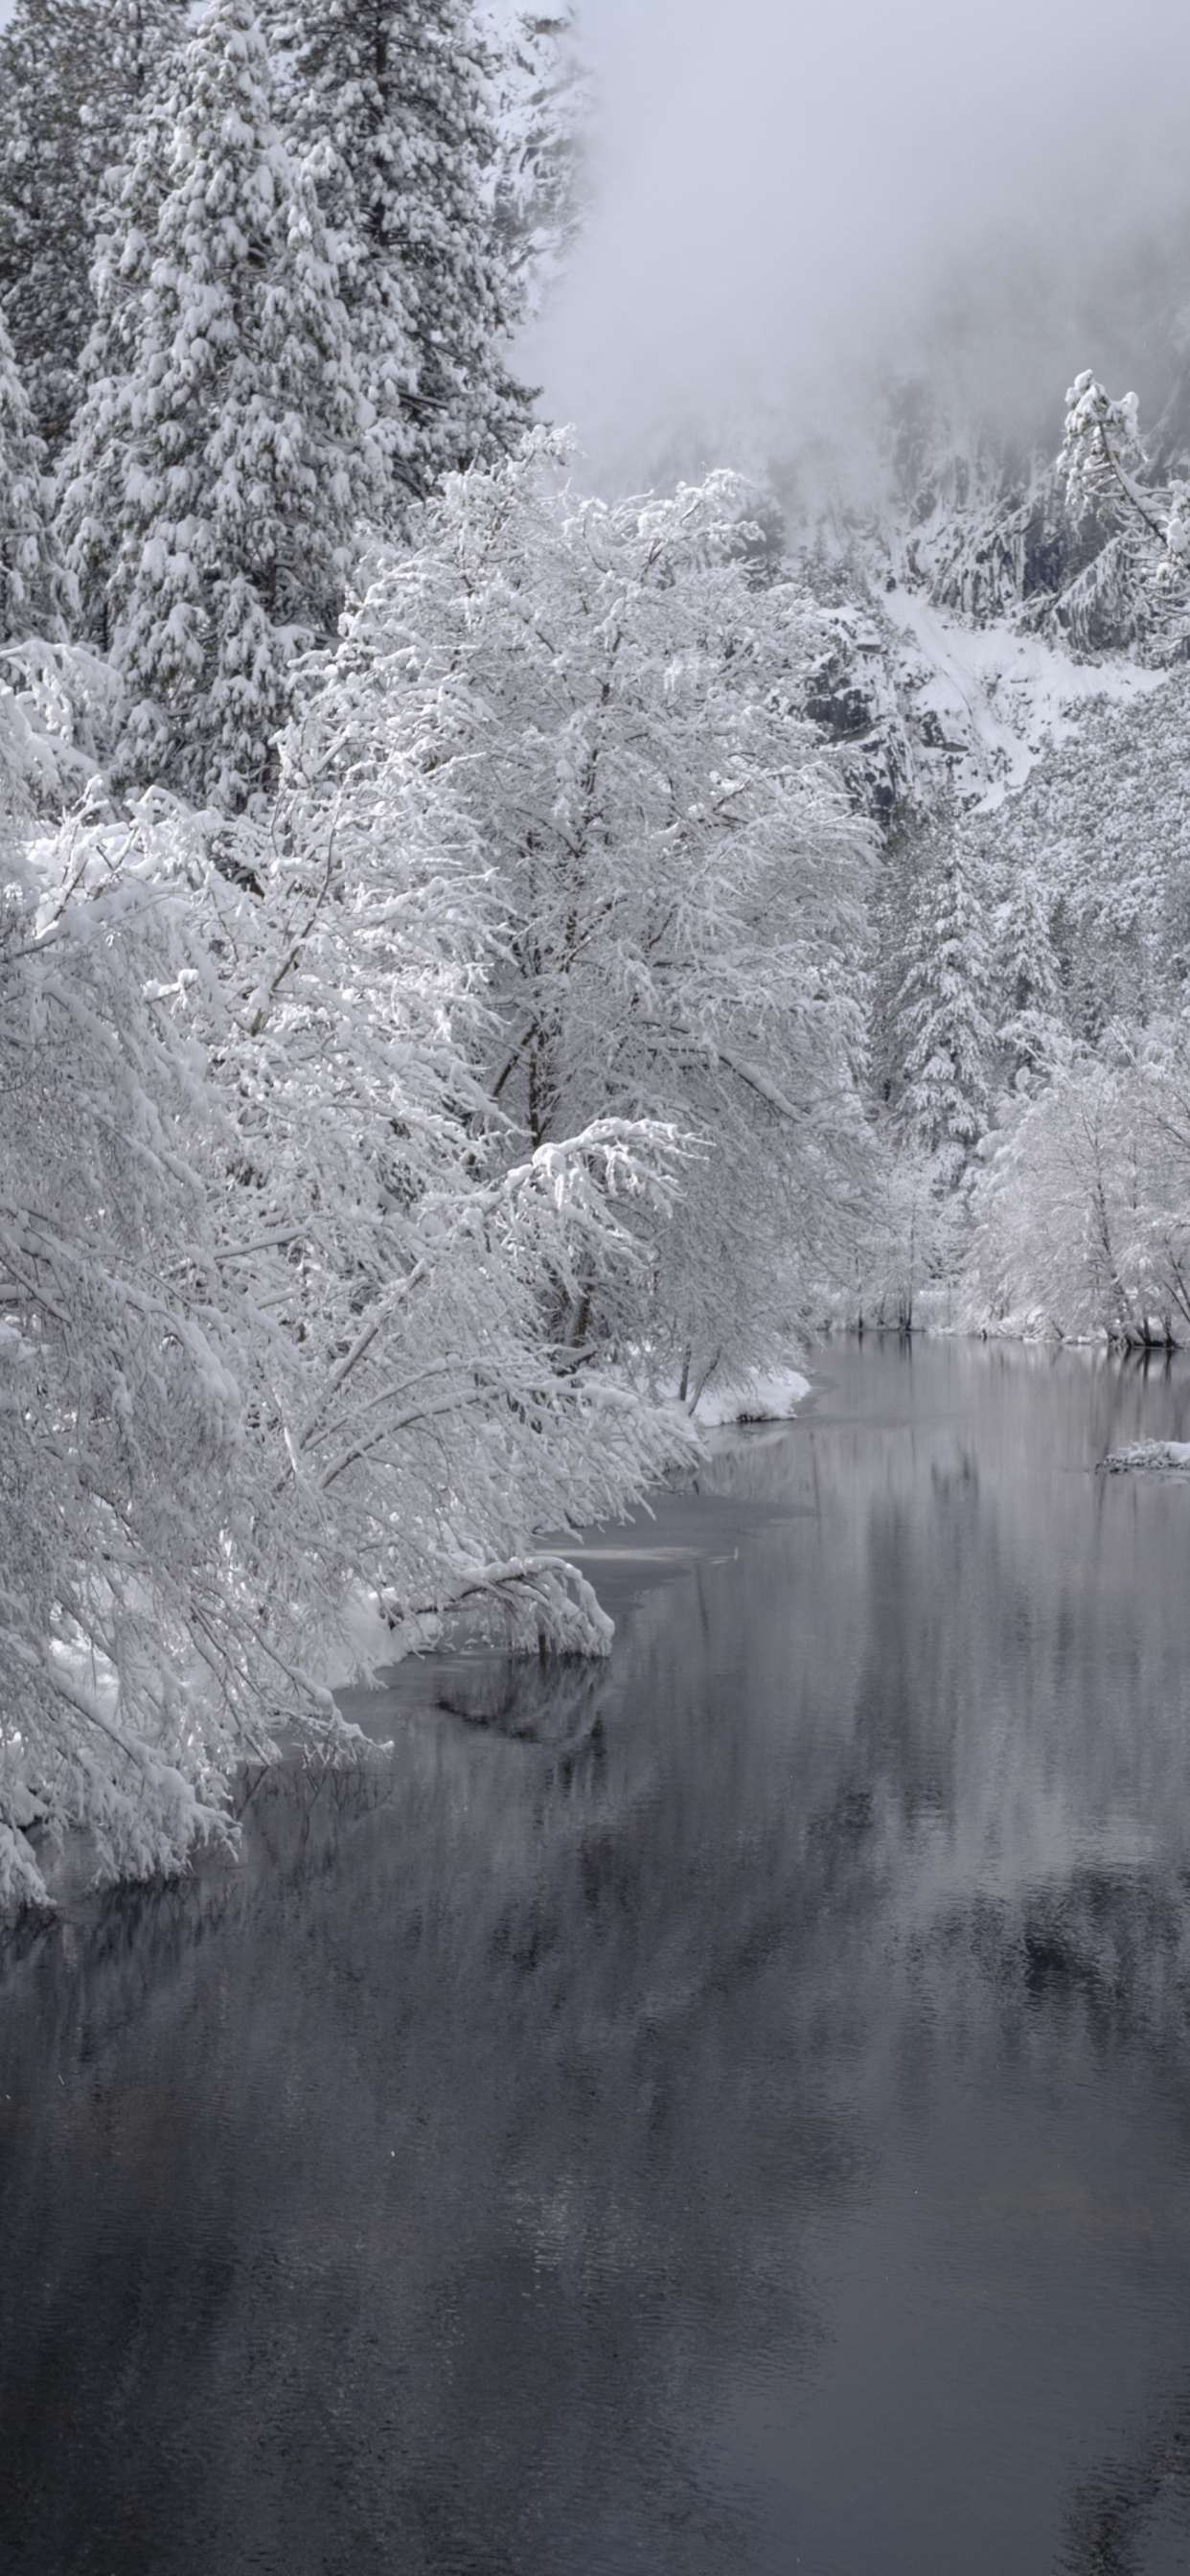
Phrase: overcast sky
{"type": "Point", "coordinates": [787, 192]}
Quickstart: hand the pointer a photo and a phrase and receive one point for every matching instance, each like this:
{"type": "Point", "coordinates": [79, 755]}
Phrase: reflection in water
{"type": "Point", "coordinates": [1130, 2511]}
{"type": "Point", "coordinates": [531, 1700]}
{"type": "Point", "coordinates": [721, 2114]}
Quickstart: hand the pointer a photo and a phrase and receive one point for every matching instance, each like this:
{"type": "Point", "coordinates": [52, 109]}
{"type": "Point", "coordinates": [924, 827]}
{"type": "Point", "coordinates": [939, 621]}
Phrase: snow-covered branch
{"type": "Point", "coordinates": [1100, 461]}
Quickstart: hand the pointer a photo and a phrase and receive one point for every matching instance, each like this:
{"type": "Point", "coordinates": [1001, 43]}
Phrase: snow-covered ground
{"type": "Point", "coordinates": [761, 1396]}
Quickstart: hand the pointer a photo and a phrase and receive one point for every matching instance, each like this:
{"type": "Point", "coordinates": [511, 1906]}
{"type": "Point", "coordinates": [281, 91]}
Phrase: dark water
{"type": "Point", "coordinates": [723, 2115]}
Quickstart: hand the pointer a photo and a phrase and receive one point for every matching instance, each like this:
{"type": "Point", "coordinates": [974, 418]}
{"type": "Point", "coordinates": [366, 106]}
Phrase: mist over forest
{"type": "Point", "coordinates": [783, 218]}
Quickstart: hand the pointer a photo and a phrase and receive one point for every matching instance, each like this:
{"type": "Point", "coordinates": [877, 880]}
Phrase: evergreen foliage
{"type": "Point", "coordinates": [214, 482]}
{"type": "Point", "coordinates": [1031, 1035]}
{"type": "Point", "coordinates": [73, 73]}
{"type": "Point", "coordinates": [1101, 830]}
{"type": "Point", "coordinates": [945, 1008]}
{"type": "Point", "coordinates": [30, 578]}
{"type": "Point", "coordinates": [388, 102]}
{"type": "Point", "coordinates": [544, 107]}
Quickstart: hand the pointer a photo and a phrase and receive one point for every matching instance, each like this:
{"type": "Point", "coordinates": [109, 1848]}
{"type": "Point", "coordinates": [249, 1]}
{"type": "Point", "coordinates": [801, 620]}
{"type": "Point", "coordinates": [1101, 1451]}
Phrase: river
{"type": "Point", "coordinates": [718, 2114]}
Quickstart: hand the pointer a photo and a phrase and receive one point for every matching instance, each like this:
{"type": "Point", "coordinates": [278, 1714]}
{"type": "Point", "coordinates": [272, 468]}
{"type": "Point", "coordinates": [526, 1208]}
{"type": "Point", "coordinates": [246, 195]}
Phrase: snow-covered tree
{"type": "Point", "coordinates": [904, 1241]}
{"type": "Point", "coordinates": [440, 1428]}
{"type": "Point", "coordinates": [1101, 461]}
{"type": "Point", "coordinates": [943, 1010]}
{"type": "Point", "coordinates": [119, 1413]}
{"type": "Point", "coordinates": [597, 703]}
{"type": "Point", "coordinates": [388, 102]}
{"type": "Point", "coordinates": [215, 480]}
{"type": "Point", "coordinates": [72, 74]}
{"type": "Point", "coordinates": [271, 1331]}
{"type": "Point", "coordinates": [1102, 455]}
{"type": "Point", "coordinates": [30, 576]}
{"type": "Point", "coordinates": [43, 683]}
{"type": "Point", "coordinates": [1097, 842]}
{"type": "Point", "coordinates": [1033, 1024]}
{"type": "Point", "coordinates": [1080, 1224]}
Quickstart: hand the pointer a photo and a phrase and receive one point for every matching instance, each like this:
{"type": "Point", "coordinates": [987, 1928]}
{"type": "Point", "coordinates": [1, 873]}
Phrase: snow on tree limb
{"type": "Point", "coordinates": [591, 709]}
{"type": "Point", "coordinates": [1100, 458]}
{"type": "Point", "coordinates": [272, 1331]}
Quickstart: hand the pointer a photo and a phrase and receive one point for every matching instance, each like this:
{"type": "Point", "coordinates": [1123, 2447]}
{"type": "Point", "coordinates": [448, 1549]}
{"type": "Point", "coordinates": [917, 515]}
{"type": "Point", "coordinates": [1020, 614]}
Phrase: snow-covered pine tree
{"type": "Point", "coordinates": [41, 680]}
{"type": "Point", "coordinates": [388, 102]}
{"type": "Point", "coordinates": [30, 577]}
{"type": "Point", "coordinates": [214, 483]}
{"type": "Point", "coordinates": [1031, 1030]}
{"type": "Point", "coordinates": [944, 1007]}
{"type": "Point", "coordinates": [72, 74]}
{"type": "Point", "coordinates": [1100, 464]}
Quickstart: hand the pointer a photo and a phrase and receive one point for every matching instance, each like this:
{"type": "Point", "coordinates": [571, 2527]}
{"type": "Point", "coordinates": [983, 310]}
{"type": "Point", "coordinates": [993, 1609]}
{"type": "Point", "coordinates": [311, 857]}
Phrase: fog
{"type": "Point", "coordinates": [789, 200]}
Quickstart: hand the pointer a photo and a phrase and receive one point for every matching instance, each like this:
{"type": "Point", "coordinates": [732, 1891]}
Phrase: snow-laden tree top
{"type": "Point", "coordinates": [389, 103]}
{"type": "Point", "coordinates": [223, 458]}
{"type": "Point", "coordinates": [73, 75]}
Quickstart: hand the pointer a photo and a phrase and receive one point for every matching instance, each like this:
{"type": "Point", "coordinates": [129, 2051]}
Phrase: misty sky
{"type": "Point", "coordinates": [788, 194]}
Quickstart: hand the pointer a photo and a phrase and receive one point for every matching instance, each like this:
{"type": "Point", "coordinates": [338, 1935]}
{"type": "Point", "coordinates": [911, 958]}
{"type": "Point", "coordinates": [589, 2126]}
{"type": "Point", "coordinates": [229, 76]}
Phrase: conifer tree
{"type": "Point", "coordinates": [943, 1009]}
{"type": "Point", "coordinates": [72, 74]}
{"type": "Point", "coordinates": [218, 470]}
{"type": "Point", "coordinates": [387, 101]}
{"type": "Point", "coordinates": [1031, 1030]}
{"type": "Point", "coordinates": [30, 579]}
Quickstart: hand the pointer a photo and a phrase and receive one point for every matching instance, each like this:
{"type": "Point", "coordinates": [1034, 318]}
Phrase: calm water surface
{"type": "Point", "coordinates": [723, 2114]}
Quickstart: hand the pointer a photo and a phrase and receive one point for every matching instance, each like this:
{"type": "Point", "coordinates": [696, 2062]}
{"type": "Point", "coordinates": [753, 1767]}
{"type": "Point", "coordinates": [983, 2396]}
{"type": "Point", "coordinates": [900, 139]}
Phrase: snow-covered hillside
{"type": "Point", "coordinates": [927, 705]}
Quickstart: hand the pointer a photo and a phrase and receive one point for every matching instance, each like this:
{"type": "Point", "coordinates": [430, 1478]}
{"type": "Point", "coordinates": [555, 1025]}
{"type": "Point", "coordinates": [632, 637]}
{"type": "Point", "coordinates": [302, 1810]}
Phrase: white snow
{"type": "Point", "coordinates": [771, 1395]}
{"type": "Point", "coordinates": [1170, 1457]}
{"type": "Point", "coordinates": [997, 698]}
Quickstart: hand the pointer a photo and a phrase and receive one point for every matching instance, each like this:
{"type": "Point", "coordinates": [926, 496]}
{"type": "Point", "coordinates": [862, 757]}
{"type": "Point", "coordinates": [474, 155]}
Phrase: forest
{"type": "Point", "coordinates": [486, 961]}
